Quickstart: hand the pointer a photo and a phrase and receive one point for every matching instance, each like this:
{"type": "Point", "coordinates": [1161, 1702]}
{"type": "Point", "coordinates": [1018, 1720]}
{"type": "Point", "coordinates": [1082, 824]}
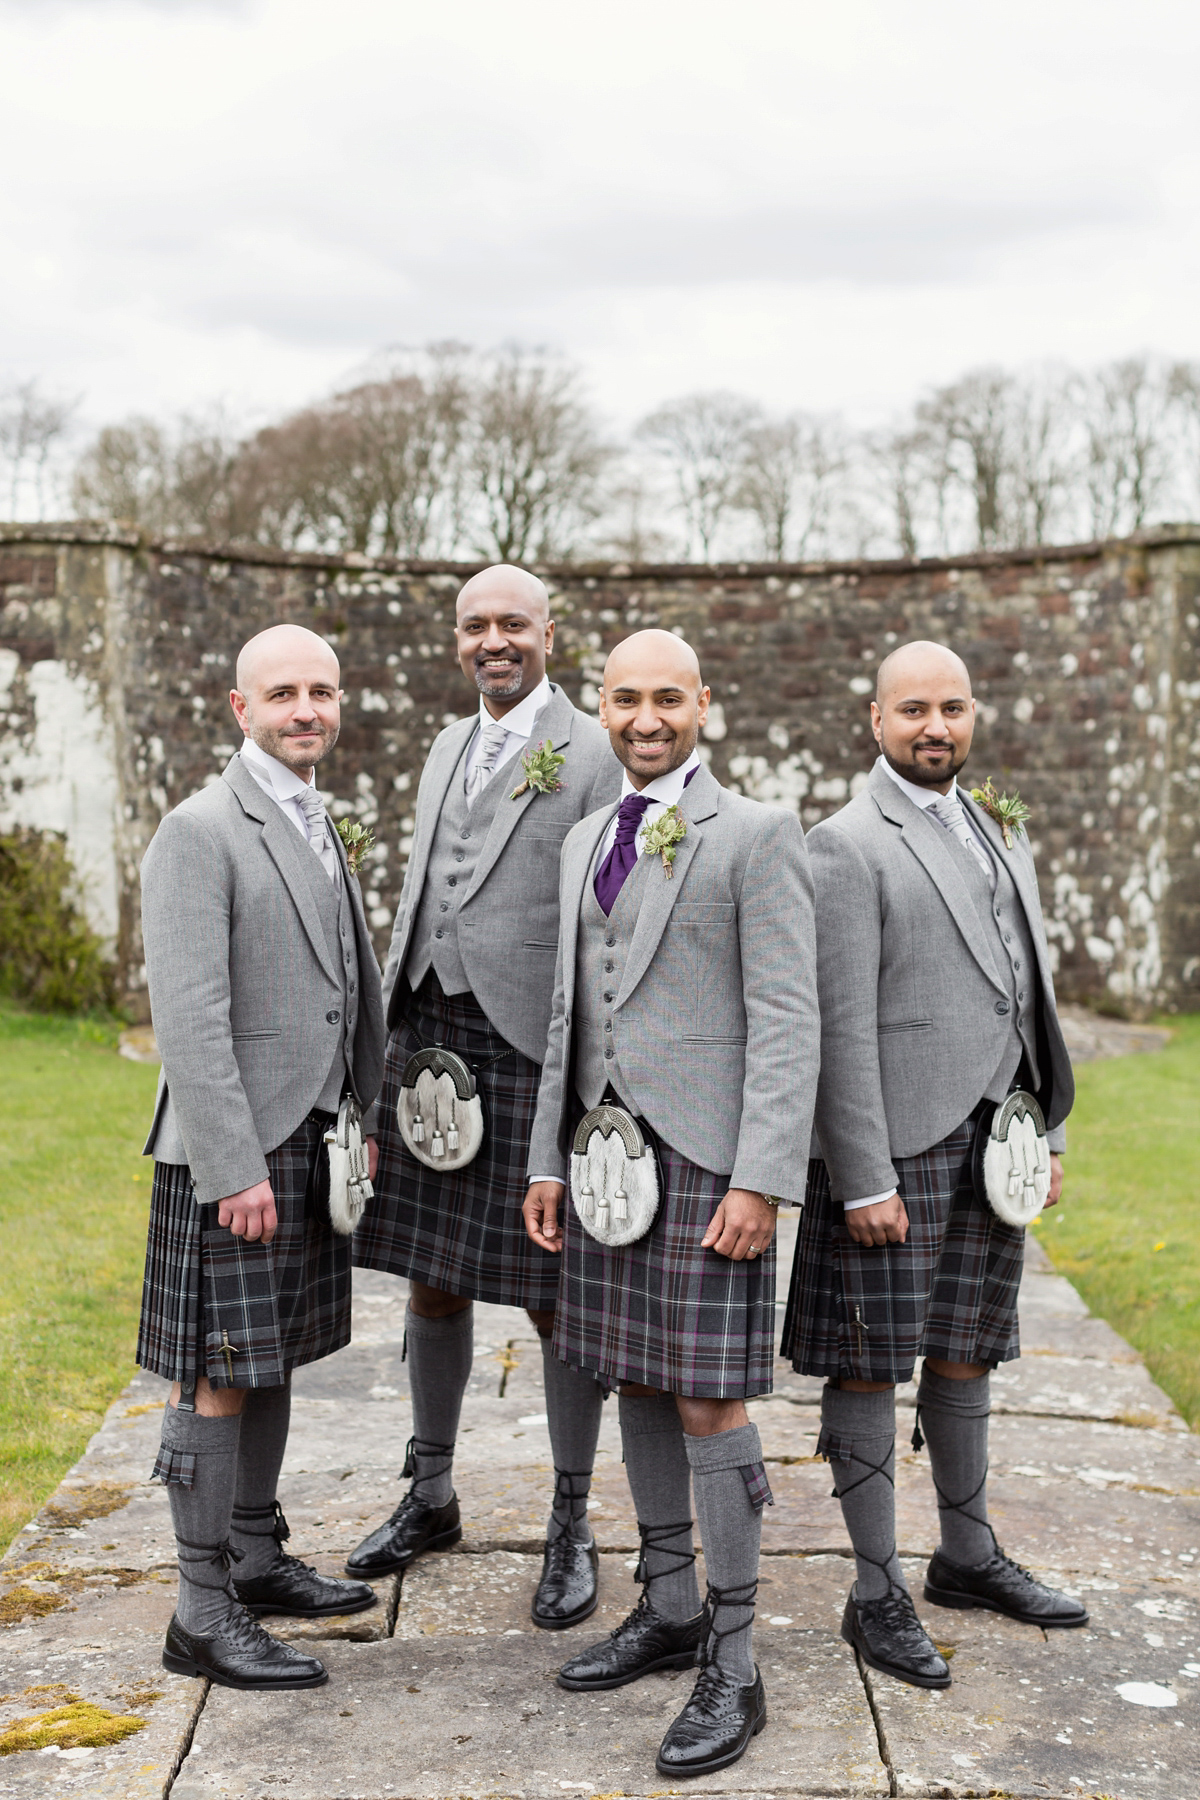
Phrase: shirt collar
{"type": "Point", "coordinates": [664, 789]}
{"type": "Point", "coordinates": [519, 722]}
{"type": "Point", "coordinates": [920, 796]}
{"type": "Point", "coordinates": [285, 784]}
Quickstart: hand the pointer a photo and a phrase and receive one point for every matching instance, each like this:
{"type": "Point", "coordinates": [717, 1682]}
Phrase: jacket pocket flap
{"type": "Point", "coordinates": [908, 1025]}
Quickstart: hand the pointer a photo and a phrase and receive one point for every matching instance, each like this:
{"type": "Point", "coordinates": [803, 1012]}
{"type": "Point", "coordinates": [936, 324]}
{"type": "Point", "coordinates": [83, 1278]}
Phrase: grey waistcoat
{"type": "Point", "coordinates": [600, 958]}
{"type": "Point", "coordinates": [333, 904]}
{"type": "Point", "coordinates": [460, 836]}
{"type": "Point", "coordinates": [1002, 920]}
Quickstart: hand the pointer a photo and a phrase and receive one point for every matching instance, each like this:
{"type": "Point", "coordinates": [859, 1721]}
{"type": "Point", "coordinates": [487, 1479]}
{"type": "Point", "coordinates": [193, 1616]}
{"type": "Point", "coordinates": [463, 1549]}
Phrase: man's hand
{"type": "Point", "coordinates": [250, 1214]}
{"type": "Point", "coordinates": [742, 1226]}
{"type": "Point", "coordinates": [540, 1213]}
{"type": "Point", "coordinates": [372, 1156]}
{"type": "Point", "coordinates": [884, 1223]}
{"type": "Point", "coordinates": [1056, 1180]}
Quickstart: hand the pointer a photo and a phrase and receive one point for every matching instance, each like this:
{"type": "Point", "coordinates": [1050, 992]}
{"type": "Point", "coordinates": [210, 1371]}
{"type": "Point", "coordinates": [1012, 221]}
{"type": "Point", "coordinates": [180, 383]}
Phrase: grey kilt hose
{"type": "Point", "coordinates": [462, 1232]}
{"type": "Point", "coordinates": [663, 1312]}
{"type": "Point", "coordinates": [244, 1314]}
{"type": "Point", "coordinates": [867, 1312]}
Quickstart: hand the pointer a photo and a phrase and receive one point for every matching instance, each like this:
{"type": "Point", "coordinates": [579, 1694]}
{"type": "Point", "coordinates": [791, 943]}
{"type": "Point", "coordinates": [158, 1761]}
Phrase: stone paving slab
{"type": "Point", "coordinates": [1032, 1713]}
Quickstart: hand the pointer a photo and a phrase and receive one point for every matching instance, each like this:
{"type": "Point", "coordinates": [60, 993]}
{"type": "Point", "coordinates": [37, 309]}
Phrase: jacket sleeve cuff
{"type": "Point", "coordinates": [1057, 1140]}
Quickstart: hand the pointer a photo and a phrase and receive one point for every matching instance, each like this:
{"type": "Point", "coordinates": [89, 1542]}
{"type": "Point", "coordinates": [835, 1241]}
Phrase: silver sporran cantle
{"type": "Point", "coordinates": [439, 1113]}
{"type": "Point", "coordinates": [614, 1176]}
{"type": "Point", "coordinates": [349, 1178]}
{"type": "Point", "coordinates": [1011, 1159]}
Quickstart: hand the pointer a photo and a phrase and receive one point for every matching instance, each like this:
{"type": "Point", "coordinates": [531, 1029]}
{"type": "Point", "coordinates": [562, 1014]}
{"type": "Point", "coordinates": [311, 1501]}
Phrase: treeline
{"type": "Point", "coordinates": [450, 453]}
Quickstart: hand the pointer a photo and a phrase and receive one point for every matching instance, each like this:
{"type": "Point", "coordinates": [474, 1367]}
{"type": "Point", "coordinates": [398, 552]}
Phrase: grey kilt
{"type": "Point", "coordinates": [867, 1312]}
{"type": "Point", "coordinates": [275, 1306]}
{"type": "Point", "coordinates": [663, 1312]}
{"type": "Point", "coordinates": [461, 1232]}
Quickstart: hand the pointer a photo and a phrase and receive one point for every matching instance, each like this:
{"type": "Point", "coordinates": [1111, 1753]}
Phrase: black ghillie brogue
{"type": "Point", "coordinates": [567, 1593]}
{"type": "Point", "coordinates": [723, 1714]}
{"type": "Point", "coordinates": [644, 1641]}
{"type": "Point", "coordinates": [414, 1527]}
{"type": "Point", "coordinates": [1001, 1585]}
{"type": "Point", "coordinates": [241, 1655]}
{"type": "Point", "coordinates": [289, 1585]}
{"type": "Point", "coordinates": [889, 1637]}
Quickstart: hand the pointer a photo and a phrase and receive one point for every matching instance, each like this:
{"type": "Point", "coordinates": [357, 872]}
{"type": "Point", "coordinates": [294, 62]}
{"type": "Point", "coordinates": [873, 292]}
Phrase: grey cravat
{"type": "Point", "coordinates": [491, 739]}
{"type": "Point", "coordinates": [947, 809]}
{"type": "Point", "coordinates": [319, 830]}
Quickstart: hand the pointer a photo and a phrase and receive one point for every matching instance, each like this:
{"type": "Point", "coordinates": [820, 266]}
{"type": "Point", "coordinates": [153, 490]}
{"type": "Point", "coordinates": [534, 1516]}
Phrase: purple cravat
{"type": "Point", "coordinates": [610, 876]}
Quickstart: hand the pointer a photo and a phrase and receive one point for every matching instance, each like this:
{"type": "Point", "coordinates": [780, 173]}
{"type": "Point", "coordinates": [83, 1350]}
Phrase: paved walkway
{"type": "Point", "coordinates": [445, 1688]}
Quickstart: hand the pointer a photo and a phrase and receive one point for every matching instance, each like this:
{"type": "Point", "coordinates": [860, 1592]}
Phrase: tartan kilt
{"type": "Point", "coordinates": [867, 1312]}
{"type": "Point", "coordinates": [277, 1306]}
{"type": "Point", "coordinates": [663, 1311]}
{"type": "Point", "coordinates": [461, 1232]}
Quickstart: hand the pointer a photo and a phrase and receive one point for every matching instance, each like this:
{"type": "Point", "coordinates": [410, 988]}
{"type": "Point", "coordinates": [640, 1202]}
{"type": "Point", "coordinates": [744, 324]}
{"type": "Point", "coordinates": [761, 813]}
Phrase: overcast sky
{"type": "Point", "coordinates": [825, 206]}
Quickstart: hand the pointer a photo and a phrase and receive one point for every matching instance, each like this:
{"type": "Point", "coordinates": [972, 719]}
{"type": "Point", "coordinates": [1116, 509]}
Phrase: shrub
{"type": "Point", "coordinates": [50, 958]}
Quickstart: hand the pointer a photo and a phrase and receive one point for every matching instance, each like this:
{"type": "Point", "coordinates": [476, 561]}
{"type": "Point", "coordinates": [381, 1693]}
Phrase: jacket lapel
{"type": "Point", "coordinates": [578, 859]}
{"type": "Point", "coordinates": [439, 775]}
{"type": "Point", "coordinates": [554, 722]}
{"type": "Point", "coordinates": [286, 849]}
{"type": "Point", "coordinates": [930, 844]}
{"type": "Point", "coordinates": [700, 801]}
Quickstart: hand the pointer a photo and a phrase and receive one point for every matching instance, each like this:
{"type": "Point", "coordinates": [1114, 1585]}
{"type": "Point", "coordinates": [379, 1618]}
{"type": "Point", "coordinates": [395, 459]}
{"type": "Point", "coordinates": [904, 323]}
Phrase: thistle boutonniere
{"type": "Point", "coordinates": [541, 768]}
{"type": "Point", "coordinates": [661, 834]}
{"type": "Point", "coordinates": [1009, 810]}
{"type": "Point", "coordinates": [358, 839]}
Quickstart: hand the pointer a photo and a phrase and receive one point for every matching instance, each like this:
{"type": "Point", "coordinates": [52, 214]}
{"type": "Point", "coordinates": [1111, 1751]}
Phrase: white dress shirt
{"type": "Point", "coordinates": [924, 798]}
{"type": "Point", "coordinates": [283, 784]}
{"type": "Point", "coordinates": [663, 791]}
{"type": "Point", "coordinates": [518, 725]}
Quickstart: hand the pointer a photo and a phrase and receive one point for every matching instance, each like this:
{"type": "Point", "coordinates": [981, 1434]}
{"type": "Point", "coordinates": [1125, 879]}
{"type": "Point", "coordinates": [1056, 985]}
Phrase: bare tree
{"type": "Point", "coordinates": [1043, 456]}
{"type": "Point", "coordinates": [1127, 409]}
{"type": "Point", "coordinates": [631, 509]}
{"type": "Point", "coordinates": [535, 456]}
{"type": "Point", "coordinates": [899, 461]}
{"type": "Point", "coordinates": [126, 474]}
{"type": "Point", "coordinates": [32, 424]}
{"type": "Point", "coordinates": [703, 439]}
{"type": "Point", "coordinates": [969, 425]}
{"type": "Point", "coordinates": [789, 468]}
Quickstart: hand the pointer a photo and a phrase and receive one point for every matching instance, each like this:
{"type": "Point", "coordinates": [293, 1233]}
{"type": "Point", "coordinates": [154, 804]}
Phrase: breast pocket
{"type": "Point", "coordinates": [704, 912]}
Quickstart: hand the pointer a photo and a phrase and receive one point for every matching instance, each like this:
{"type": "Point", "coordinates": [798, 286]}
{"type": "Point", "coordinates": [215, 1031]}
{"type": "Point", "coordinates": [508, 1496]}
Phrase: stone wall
{"type": "Point", "coordinates": [117, 654]}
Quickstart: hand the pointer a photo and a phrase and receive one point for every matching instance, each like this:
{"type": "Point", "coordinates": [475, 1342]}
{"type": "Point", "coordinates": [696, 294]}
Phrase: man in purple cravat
{"type": "Point", "coordinates": [686, 1001]}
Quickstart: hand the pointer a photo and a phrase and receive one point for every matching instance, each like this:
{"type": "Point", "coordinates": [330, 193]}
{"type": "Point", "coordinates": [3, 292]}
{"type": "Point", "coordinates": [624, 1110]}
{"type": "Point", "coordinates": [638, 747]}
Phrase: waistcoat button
{"type": "Point", "coordinates": [331, 1018]}
{"type": "Point", "coordinates": [440, 934]}
{"type": "Point", "coordinates": [608, 1055]}
{"type": "Point", "coordinates": [465, 832]}
{"type": "Point", "coordinates": [459, 856]}
{"type": "Point", "coordinates": [1001, 1005]}
{"type": "Point", "coordinates": [452, 881]}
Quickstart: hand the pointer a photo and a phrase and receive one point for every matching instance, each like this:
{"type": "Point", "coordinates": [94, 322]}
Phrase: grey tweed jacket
{"type": "Point", "coordinates": [508, 917]}
{"type": "Point", "coordinates": [241, 984]}
{"type": "Point", "coordinates": [716, 1023]}
{"type": "Point", "coordinates": [910, 1036]}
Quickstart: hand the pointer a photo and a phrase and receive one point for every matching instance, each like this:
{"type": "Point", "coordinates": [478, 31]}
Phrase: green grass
{"type": "Point", "coordinates": [74, 1195]}
{"type": "Point", "coordinates": [1126, 1232]}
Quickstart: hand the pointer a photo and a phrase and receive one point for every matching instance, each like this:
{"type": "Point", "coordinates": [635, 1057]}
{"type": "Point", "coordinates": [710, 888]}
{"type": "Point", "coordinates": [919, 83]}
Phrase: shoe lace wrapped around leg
{"type": "Point", "coordinates": [566, 1496]}
{"type": "Point", "coordinates": [420, 1447]}
{"type": "Point", "coordinates": [712, 1676]}
{"type": "Point", "coordinates": [656, 1538]}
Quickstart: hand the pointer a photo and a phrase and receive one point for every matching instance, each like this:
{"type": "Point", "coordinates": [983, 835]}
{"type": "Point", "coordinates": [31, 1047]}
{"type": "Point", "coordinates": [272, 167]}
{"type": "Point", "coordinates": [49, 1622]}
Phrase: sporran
{"type": "Point", "coordinates": [439, 1112]}
{"type": "Point", "coordinates": [615, 1186]}
{"type": "Point", "coordinates": [349, 1170]}
{"type": "Point", "coordinates": [1010, 1159]}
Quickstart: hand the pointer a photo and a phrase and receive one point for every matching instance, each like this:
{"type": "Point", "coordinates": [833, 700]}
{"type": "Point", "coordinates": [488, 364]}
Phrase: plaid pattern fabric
{"type": "Point", "coordinates": [274, 1307]}
{"type": "Point", "coordinates": [757, 1486]}
{"type": "Point", "coordinates": [460, 1232]}
{"type": "Point", "coordinates": [867, 1312]}
{"type": "Point", "coordinates": [663, 1311]}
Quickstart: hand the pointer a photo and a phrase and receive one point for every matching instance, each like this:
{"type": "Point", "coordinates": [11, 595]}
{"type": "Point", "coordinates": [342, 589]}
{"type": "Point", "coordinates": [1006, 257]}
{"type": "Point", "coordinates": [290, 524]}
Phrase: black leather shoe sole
{"type": "Point", "coordinates": [186, 1665]}
{"type": "Point", "coordinates": [682, 1660]}
{"type": "Point", "coordinates": [857, 1642]}
{"type": "Point", "coordinates": [715, 1762]}
{"type": "Point", "coordinates": [367, 1571]}
{"type": "Point", "coordinates": [977, 1603]}
{"type": "Point", "coordinates": [263, 1609]}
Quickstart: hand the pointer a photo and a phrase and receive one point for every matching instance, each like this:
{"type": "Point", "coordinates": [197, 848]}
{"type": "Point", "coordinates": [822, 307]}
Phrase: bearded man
{"type": "Point", "coordinates": [471, 970]}
{"type": "Point", "coordinates": [267, 1009]}
{"type": "Point", "coordinates": [937, 1003]}
{"type": "Point", "coordinates": [685, 1029]}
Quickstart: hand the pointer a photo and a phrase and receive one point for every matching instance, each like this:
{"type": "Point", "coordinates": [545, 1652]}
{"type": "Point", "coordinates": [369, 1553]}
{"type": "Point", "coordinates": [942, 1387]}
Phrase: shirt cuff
{"type": "Point", "coordinates": [530, 1179]}
{"type": "Point", "coordinates": [871, 1200]}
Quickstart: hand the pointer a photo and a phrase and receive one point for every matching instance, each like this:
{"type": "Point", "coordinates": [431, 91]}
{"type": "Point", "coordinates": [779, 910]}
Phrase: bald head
{"type": "Point", "coordinates": [503, 633]}
{"type": "Point", "coordinates": [288, 695]}
{"type": "Point", "coordinates": [654, 703]}
{"type": "Point", "coordinates": [923, 715]}
{"type": "Point", "coordinates": [916, 662]}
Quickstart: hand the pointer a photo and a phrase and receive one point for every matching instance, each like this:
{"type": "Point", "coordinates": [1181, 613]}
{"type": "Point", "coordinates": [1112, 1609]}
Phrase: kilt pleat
{"type": "Point", "coordinates": [867, 1312]}
{"type": "Point", "coordinates": [461, 1231]}
{"type": "Point", "coordinates": [244, 1314]}
{"type": "Point", "coordinates": [664, 1312]}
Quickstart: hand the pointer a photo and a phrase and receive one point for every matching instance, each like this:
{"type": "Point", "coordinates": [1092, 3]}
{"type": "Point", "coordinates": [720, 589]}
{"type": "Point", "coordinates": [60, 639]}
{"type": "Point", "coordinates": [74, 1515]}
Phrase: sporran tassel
{"type": "Point", "coordinates": [452, 1131]}
{"type": "Point", "coordinates": [620, 1206]}
{"type": "Point", "coordinates": [418, 1129]}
